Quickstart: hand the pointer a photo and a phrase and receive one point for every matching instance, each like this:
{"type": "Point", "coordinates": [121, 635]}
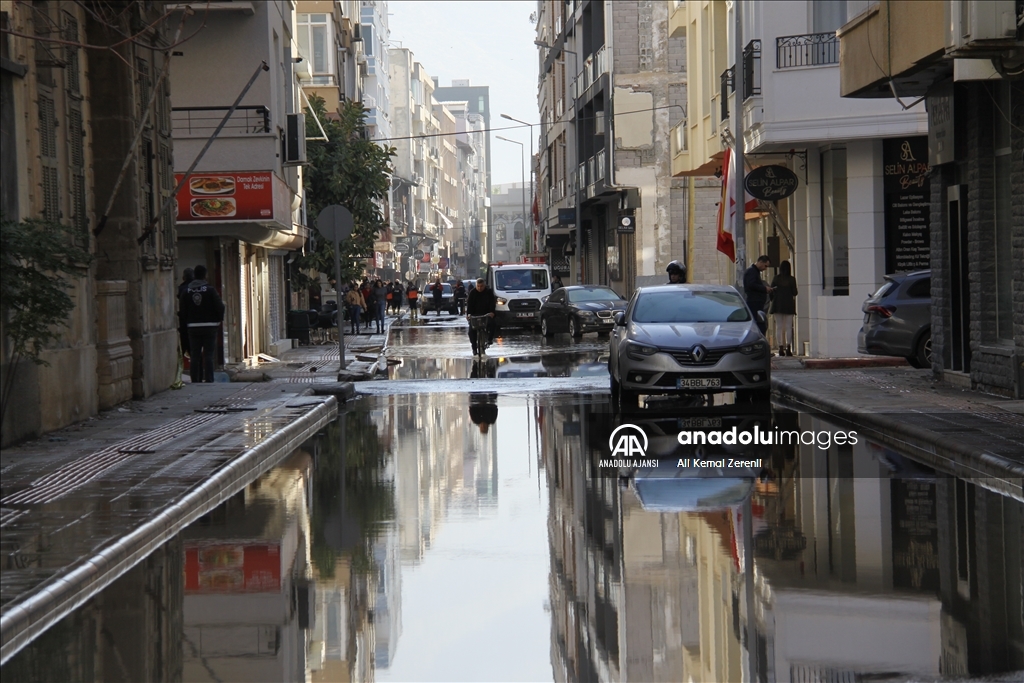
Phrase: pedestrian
{"type": "Point", "coordinates": [187, 276]}
{"type": "Point", "coordinates": [380, 298]}
{"type": "Point", "coordinates": [460, 297]}
{"type": "Point", "coordinates": [756, 290]}
{"type": "Point", "coordinates": [556, 283]}
{"type": "Point", "coordinates": [399, 294]}
{"type": "Point", "coordinates": [368, 307]}
{"type": "Point", "coordinates": [437, 291]}
{"type": "Point", "coordinates": [783, 307]}
{"type": "Point", "coordinates": [413, 294]}
{"type": "Point", "coordinates": [481, 301]}
{"type": "Point", "coordinates": [355, 302]}
{"type": "Point", "coordinates": [204, 312]}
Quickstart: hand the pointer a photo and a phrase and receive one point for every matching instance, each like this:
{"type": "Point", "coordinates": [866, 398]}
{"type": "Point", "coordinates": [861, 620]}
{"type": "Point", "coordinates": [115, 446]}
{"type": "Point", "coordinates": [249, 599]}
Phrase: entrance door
{"type": "Point", "coordinates": [959, 281]}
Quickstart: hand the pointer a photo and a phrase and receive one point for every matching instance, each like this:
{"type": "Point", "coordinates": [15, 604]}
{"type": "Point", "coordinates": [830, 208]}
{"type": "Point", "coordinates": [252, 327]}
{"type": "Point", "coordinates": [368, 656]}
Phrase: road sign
{"type": "Point", "coordinates": [335, 223]}
{"type": "Point", "coordinates": [401, 248]}
{"type": "Point", "coordinates": [418, 254]}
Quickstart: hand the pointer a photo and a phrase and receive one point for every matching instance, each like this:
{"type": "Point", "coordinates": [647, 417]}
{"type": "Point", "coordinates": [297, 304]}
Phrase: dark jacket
{"type": "Point", "coordinates": [481, 303]}
{"type": "Point", "coordinates": [755, 289]}
{"type": "Point", "coordinates": [380, 295]}
{"type": "Point", "coordinates": [460, 292]}
{"type": "Point", "coordinates": [437, 290]}
{"type": "Point", "coordinates": [201, 304]}
{"type": "Point", "coordinates": [182, 288]}
{"type": "Point", "coordinates": [784, 296]}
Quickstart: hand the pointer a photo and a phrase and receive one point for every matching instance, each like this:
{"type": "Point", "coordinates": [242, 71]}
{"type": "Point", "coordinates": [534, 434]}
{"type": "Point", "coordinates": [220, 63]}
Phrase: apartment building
{"type": "Point", "coordinates": [965, 59]}
{"type": "Point", "coordinates": [376, 83]}
{"type": "Point", "coordinates": [471, 226]}
{"type": "Point", "coordinates": [839, 228]}
{"type": "Point", "coordinates": [69, 117]}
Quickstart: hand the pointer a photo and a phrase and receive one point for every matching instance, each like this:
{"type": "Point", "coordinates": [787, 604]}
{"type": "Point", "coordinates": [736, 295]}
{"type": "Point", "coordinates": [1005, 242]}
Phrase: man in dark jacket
{"type": "Point", "coordinates": [481, 301]}
{"type": "Point", "coordinates": [437, 291]}
{"type": "Point", "coordinates": [187, 276]}
{"type": "Point", "coordinates": [756, 290]}
{"type": "Point", "coordinates": [204, 312]}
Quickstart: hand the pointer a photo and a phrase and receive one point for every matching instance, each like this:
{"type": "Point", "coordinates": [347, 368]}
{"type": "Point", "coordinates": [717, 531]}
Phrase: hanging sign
{"type": "Point", "coordinates": [771, 183]}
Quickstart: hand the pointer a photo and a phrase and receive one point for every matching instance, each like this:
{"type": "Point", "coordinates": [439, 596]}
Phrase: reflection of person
{"type": "Point", "coordinates": [784, 307]}
{"type": "Point", "coordinates": [483, 411]}
{"type": "Point", "coordinates": [481, 301]}
{"type": "Point", "coordinates": [484, 368]}
{"type": "Point", "coordinates": [756, 290]}
{"type": "Point", "coordinates": [204, 312]}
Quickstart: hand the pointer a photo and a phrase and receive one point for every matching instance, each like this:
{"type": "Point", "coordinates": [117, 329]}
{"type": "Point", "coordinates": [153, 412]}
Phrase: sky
{"type": "Point", "coordinates": [490, 43]}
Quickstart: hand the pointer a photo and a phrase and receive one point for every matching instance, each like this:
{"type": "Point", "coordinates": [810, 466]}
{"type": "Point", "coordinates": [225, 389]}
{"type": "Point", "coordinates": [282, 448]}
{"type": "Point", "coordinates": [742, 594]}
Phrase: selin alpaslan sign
{"type": "Point", "coordinates": [771, 183]}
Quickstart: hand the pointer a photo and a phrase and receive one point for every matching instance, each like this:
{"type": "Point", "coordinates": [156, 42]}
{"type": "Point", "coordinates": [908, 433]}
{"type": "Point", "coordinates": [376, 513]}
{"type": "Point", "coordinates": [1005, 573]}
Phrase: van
{"type": "Point", "coordinates": [521, 288]}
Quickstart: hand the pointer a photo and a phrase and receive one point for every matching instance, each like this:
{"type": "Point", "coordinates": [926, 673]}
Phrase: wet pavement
{"type": "Point", "coordinates": [476, 537]}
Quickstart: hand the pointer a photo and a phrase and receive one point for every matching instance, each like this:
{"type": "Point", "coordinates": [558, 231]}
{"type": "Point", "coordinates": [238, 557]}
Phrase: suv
{"type": "Point", "coordinates": [898, 319]}
{"type": "Point", "coordinates": [447, 299]}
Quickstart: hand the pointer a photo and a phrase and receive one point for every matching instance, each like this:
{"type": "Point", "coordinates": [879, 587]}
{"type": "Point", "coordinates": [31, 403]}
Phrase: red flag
{"type": "Point", "coordinates": [727, 207]}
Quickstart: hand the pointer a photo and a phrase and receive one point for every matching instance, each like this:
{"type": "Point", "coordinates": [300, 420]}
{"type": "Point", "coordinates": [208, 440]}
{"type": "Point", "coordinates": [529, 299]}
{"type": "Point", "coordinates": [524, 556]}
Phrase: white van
{"type": "Point", "coordinates": [521, 288]}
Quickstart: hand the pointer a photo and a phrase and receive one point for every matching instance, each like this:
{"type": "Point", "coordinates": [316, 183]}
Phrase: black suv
{"type": "Point", "coordinates": [898, 319]}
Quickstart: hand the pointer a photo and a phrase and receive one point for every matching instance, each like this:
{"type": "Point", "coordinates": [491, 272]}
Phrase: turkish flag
{"type": "Point", "coordinates": [727, 216]}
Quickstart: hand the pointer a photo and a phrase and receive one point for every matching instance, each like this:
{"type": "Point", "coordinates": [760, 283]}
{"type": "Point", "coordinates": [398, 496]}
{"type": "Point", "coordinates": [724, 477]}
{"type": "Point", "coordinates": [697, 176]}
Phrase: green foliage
{"type": "Point", "coordinates": [350, 170]}
{"type": "Point", "coordinates": [36, 256]}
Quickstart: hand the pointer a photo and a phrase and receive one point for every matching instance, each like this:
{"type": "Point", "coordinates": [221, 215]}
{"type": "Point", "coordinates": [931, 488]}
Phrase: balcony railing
{"type": "Point", "coordinates": [247, 120]}
{"type": "Point", "coordinates": [812, 49]}
{"type": "Point", "coordinates": [727, 85]}
{"type": "Point", "coordinates": [752, 69]}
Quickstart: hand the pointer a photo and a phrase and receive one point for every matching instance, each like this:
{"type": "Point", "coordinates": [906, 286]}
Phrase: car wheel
{"type": "Point", "coordinates": [545, 329]}
{"type": "Point", "coordinates": [924, 351]}
{"type": "Point", "coordinates": [623, 398]}
{"type": "Point", "coordinates": [914, 362]}
{"type": "Point", "coordinates": [574, 328]}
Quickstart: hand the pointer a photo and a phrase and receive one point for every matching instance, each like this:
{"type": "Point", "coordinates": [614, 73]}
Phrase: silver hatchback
{"type": "Point", "coordinates": [677, 339]}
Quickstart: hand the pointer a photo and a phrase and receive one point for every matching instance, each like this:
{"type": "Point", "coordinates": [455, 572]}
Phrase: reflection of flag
{"type": "Point", "coordinates": [727, 218]}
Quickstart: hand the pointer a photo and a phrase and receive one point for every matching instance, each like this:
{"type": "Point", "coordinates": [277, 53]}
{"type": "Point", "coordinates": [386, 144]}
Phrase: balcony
{"type": "Point", "coordinates": [595, 66]}
{"type": "Point", "coordinates": [812, 49]}
{"type": "Point", "coordinates": [202, 121]}
{"type": "Point", "coordinates": [752, 69]}
{"type": "Point", "coordinates": [726, 85]}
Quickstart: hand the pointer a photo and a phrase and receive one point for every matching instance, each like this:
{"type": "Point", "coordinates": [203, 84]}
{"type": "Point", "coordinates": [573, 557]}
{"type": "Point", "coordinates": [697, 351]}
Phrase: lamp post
{"type": "Point", "coordinates": [522, 172]}
{"type": "Point", "coordinates": [533, 182]}
{"type": "Point", "coordinates": [575, 155]}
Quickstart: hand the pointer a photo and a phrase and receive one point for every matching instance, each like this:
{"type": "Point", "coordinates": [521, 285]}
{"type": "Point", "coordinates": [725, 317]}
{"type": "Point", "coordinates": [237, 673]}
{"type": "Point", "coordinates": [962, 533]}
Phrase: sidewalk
{"type": "Point", "coordinates": [80, 506]}
{"type": "Point", "coordinates": [963, 432]}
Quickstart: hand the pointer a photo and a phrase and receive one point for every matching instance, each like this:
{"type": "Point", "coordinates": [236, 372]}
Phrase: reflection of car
{"type": "Point", "coordinates": [447, 299]}
{"type": "Point", "coordinates": [580, 309]}
{"type": "Point", "coordinates": [898, 319]}
{"type": "Point", "coordinates": [521, 366]}
{"type": "Point", "coordinates": [668, 488]}
{"type": "Point", "coordinates": [687, 339]}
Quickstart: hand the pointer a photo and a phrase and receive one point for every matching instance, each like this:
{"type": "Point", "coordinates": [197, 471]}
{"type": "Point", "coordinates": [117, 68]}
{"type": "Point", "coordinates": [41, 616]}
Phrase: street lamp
{"type": "Point", "coordinates": [576, 160]}
{"type": "Point", "coordinates": [522, 172]}
{"type": "Point", "coordinates": [533, 182]}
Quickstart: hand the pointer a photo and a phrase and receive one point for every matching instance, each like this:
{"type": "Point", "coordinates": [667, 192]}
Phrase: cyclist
{"type": "Point", "coordinates": [481, 303]}
{"type": "Point", "coordinates": [676, 273]}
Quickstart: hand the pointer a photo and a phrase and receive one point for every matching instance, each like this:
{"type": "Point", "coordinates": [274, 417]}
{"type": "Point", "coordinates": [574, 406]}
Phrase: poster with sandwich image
{"type": "Point", "coordinates": [217, 196]}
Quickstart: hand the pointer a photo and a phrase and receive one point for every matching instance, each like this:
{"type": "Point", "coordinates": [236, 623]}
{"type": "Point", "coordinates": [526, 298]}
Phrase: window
{"type": "Point", "coordinates": [578, 296]}
{"type": "Point", "coordinates": [480, 105]}
{"type": "Point", "coordinates": [1002, 225]}
{"type": "Point", "coordinates": [922, 289]}
{"type": "Point", "coordinates": [368, 40]}
{"type": "Point", "coordinates": [520, 278]}
{"type": "Point", "coordinates": [499, 233]}
{"type": "Point", "coordinates": [48, 157]}
{"type": "Point", "coordinates": [690, 307]}
{"type": "Point", "coordinates": [828, 15]}
{"type": "Point", "coordinates": [834, 223]}
{"type": "Point", "coordinates": [315, 45]}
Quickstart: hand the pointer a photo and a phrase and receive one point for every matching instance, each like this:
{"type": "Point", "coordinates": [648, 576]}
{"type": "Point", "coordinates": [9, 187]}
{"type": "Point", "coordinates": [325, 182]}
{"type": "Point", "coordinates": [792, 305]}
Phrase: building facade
{"type": "Point", "coordinates": [964, 58]}
{"type": "Point", "coordinates": [69, 118]}
{"type": "Point", "coordinates": [510, 206]}
{"type": "Point", "coordinates": [471, 226]}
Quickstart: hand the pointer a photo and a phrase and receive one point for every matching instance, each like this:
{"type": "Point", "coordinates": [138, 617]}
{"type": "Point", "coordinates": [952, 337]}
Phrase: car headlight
{"type": "Point", "coordinates": [640, 351]}
{"type": "Point", "coordinates": [501, 301]}
{"type": "Point", "coordinates": [544, 298]}
{"type": "Point", "coordinates": [585, 314]}
{"type": "Point", "coordinates": [755, 349]}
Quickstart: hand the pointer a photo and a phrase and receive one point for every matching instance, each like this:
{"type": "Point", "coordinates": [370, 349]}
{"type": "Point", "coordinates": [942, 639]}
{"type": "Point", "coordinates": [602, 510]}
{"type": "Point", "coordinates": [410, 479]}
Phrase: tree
{"type": "Point", "coordinates": [347, 169]}
{"type": "Point", "coordinates": [36, 258]}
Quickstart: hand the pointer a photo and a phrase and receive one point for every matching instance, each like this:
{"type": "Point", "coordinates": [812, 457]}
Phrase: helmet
{"type": "Point", "coordinates": [677, 268]}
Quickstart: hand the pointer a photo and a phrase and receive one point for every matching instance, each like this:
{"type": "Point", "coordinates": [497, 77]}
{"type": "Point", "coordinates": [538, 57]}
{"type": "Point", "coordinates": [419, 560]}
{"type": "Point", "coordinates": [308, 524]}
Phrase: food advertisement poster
{"type": "Point", "coordinates": [226, 197]}
{"type": "Point", "coordinates": [232, 568]}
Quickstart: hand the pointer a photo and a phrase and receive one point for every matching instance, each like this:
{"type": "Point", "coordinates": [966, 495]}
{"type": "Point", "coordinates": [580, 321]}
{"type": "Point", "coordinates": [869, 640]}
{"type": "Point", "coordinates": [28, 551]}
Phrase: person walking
{"type": "Point", "coordinates": [187, 276]}
{"type": "Point", "coordinates": [556, 283]}
{"type": "Point", "coordinates": [380, 298]}
{"type": "Point", "coordinates": [783, 307]}
{"type": "Point", "coordinates": [355, 302]}
{"type": "Point", "coordinates": [204, 312]}
{"type": "Point", "coordinates": [756, 290]}
{"type": "Point", "coordinates": [413, 294]}
{"type": "Point", "coordinates": [437, 291]}
{"type": "Point", "coordinates": [460, 297]}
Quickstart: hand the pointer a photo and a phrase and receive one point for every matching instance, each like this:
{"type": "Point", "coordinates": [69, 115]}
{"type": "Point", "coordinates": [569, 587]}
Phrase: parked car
{"type": "Point", "coordinates": [448, 302]}
{"type": "Point", "coordinates": [898, 319]}
{"type": "Point", "coordinates": [680, 339]}
{"type": "Point", "coordinates": [580, 309]}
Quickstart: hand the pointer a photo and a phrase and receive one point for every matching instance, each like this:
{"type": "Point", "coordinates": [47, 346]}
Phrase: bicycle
{"type": "Point", "coordinates": [480, 325]}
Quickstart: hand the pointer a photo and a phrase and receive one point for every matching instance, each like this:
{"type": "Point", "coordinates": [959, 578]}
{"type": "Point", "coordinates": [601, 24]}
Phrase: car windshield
{"type": "Point", "coordinates": [690, 307]}
{"type": "Point", "coordinates": [520, 278]}
{"type": "Point", "coordinates": [596, 294]}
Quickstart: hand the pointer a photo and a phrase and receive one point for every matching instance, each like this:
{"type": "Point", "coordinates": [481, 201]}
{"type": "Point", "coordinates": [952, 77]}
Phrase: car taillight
{"type": "Point", "coordinates": [885, 312]}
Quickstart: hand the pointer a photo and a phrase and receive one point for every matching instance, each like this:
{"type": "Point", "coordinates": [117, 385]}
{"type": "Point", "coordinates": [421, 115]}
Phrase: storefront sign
{"type": "Point", "coordinates": [567, 216]}
{"type": "Point", "coordinates": [771, 183]}
{"type": "Point", "coordinates": [907, 204]}
{"type": "Point", "coordinates": [915, 535]}
{"type": "Point", "coordinates": [226, 197]}
{"type": "Point", "coordinates": [382, 246]}
{"type": "Point", "coordinates": [401, 248]}
{"type": "Point", "coordinates": [233, 568]}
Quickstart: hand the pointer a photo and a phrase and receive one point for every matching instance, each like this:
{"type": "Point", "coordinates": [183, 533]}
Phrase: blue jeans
{"type": "Point", "coordinates": [356, 312]}
{"type": "Point", "coordinates": [382, 307]}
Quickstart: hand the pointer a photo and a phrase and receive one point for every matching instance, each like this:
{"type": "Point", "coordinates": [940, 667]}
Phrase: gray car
{"type": "Point", "coordinates": [678, 339]}
{"type": "Point", "coordinates": [898, 319]}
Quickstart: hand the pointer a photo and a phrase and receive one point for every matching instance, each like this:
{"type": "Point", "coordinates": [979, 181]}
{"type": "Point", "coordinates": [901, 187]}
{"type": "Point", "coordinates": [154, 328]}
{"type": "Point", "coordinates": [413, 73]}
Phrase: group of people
{"type": "Point", "coordinates": [370, 302]}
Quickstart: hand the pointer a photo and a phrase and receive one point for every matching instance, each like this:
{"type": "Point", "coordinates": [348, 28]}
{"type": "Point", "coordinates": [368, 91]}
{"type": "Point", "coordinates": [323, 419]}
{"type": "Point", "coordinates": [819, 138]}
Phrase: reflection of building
{"type": "Point", "coordinates": [249, 604]}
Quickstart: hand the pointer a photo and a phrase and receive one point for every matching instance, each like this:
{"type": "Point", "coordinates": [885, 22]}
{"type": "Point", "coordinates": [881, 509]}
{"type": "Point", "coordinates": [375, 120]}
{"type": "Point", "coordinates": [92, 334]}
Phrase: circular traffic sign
{"type": "Point", "coordinates": [418, 254]}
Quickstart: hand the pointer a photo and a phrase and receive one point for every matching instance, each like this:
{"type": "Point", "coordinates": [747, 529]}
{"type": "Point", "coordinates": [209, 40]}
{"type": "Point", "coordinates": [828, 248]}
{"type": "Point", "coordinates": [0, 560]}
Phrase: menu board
{"type": "Point", "coordinates": [907, 204]}
{"type": "Point", "coordinates": [226, 197]}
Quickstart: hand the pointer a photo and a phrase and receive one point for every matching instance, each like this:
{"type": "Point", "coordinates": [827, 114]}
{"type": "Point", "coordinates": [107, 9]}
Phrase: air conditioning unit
{"type": "Point", "coordinates": [417, 180]}
{"type": "Point", "coordinates": [295, 140]}
{"type": "Point", "coordinates": [980, 27]}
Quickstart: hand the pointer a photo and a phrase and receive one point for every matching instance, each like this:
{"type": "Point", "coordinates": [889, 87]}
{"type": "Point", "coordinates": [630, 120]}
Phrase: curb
{"type": "Point", "coordinates": [840, 363]}
{"type": "Point", "coordinates": [64, 593]}
{"type": "Point", "coordinates": [936, 450]}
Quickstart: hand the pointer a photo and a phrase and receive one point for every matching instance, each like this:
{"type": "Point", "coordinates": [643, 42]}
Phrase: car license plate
{"type": "Point", "coordinates": [698, 383]}
{"type": "Point", "coordinates": [524, 315]}
{"type": "Point", "coordinates": [699, 422]}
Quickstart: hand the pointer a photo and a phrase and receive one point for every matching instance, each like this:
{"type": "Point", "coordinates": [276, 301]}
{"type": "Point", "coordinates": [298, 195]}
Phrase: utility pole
{"type": "Point", "coordinates": [739, 190]}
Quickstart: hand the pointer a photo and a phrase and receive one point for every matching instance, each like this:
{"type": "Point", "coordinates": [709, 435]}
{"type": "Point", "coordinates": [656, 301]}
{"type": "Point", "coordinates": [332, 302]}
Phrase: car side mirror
{"type": "Point", "coordinates": [762, 317]}
{"type": "Point", "coordinates": [620, 319]}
